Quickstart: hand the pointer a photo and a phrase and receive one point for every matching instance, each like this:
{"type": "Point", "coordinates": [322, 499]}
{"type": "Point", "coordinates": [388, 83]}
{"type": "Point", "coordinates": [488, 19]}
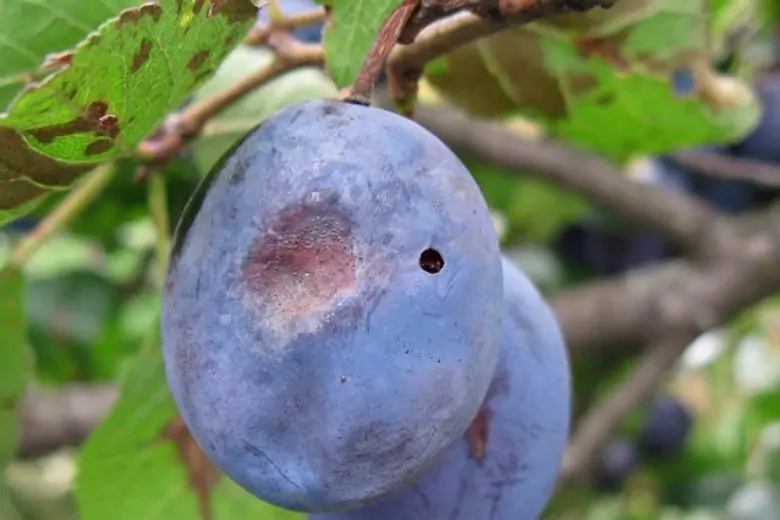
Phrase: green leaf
{"type": "Point", "coordinates": [11, 214]}
{"type": "Point", "coordinates": [48, 27]}
{"type": "Point", "coordinates": [112, 91]}
{"type": "Point", "coordinates": [66, 316]}
{"type": "Point", "coordinates": [8, 507]}
{"type": "Point", "coordinates": [623, 82]}
{"type": "Point", "coordinates": [349, 34]}
{"type": "Point", "coordinates": [296, 86]}
{"type": "Point", "coordinates": [155, 470]}
{"type": "Point", "coordinates": [535, 211]}
{"type": "Point", "coordinates": [16, 362]}
{"type": "Point", "coordinates": [765, 408]}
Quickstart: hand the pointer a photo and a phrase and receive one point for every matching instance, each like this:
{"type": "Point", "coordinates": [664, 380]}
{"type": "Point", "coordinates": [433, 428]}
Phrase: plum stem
{"type": "Point", "coordinates": [388, 36]}
{"type": "Point", "coordinates": [180, 128]}
{"type": "Point", "coordinates": [721, 166]}
{"type": "Point", "coordinates": [425, 40]}
{"type": "Point", "coordinates": [407, 21]}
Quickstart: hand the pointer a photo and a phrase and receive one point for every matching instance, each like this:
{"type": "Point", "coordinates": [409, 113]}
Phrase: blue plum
{"type": "Point", "coordinates": [309, 33]}
{"type": "Point", "coordinates": [506, 468]}
{"type": "Point", "coordinates": [608, 251]}
{"type": "Point", "coordinates": [730, 195]}
{"type": "Point", "coordinates": [617, 462]}
{"type": "Point", "coordinates": [762, 142]}
{"type": "Point", "coordinates": [21, 225]}
{"type": "Point", "coordinates": [315, 335]}
{"type": "Point", "coordinates": [666, 428]}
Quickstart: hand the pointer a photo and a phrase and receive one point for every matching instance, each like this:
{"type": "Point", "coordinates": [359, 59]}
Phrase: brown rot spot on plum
{"type": "Point", "coordinates": [431, 261]}
{"type": "Point", "coordinates": [303, 259]}
{"type": "Point", "coordinates": [477, 434]}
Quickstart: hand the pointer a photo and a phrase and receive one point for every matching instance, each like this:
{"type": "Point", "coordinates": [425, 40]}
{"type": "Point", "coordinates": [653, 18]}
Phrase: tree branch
{"type": "Point", "coordinates": [727, 167]}
{"type": "Point", "coordinates": [182, 127]}
{"type": "Point", "coordinates": [484, 17]}
{"type": "Point", "coordinates": [733, 264]}
{"type": "Point", "coordinates": [615, 313]}
{"type": "Point", "coordinates": [680, 297]}
{"type": "Point", "coordinates": [667, 305]}
{"type": "Point", "coordinates": [86, 191]}
{"type": "Point", "coordinates": [682, 219]}
{"type": "Point", "coordinates": [52, 418]}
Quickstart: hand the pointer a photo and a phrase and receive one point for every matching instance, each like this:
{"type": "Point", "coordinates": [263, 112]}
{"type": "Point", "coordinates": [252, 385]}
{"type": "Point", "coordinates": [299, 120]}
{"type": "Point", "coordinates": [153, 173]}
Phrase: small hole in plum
{"type": "Point", "coordinates": [431, 261]}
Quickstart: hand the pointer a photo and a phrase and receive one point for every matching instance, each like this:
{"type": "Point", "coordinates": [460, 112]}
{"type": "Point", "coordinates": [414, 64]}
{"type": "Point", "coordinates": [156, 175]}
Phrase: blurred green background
{"type": "Point", "coordinates": [92, 292]}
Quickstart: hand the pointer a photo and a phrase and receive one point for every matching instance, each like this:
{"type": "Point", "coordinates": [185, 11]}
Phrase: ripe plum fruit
{"type": "Point", "coordinates": [617, 462]}
{"type": "Point", "coordinates": [606, 251]}
{"type": "Point", "coordinates": [332, 310]}
{"type": "Point", "coordinates": [505, 468]}
{"type": "Point", "coordinates": [666, 428]}
{"type": "Point", "coordinates": [729, 195]}
{"type": "Point", "coordinates": [762, 142]}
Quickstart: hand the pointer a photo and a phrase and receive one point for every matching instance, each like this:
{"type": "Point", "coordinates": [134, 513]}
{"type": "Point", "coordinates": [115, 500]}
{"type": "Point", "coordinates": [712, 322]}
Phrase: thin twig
{"type": "Point", "coordinates": [65, 416]}
{"type": "Point", "coordinates": [86, 191]}
{"type": "Point", "coordinates": [680, 218]}
{"type": "Point", "coordinates": [707, 299]}
{"type": "Point", "coordinates": [666, 306]}
{"type": "Point", "coordinates": [724, 166]}
{"type": "Point", "coordinates": [363, 87]}
{"type": "Point", "coordinates": [603, 418]}
{"type": "Point", "coordinates": [182, 127]}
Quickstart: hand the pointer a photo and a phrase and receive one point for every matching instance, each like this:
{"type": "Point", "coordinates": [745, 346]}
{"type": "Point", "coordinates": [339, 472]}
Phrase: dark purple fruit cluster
{"type": "Point", "coordinates": [762, 142]}
{"type": "Point", "coordinates": [506, 467]}
{"type": "Point", "coordinates": [665, 430]}
{"type": "Point", "coordinates": [342, 336]}
{"type": "Point", "coordinates": [609, 250]}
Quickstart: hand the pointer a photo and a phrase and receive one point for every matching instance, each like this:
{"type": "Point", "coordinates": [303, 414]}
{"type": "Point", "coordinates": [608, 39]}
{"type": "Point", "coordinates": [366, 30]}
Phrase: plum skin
{"type": "Point", "coordinates": [309, 353]}
{"type": "Point", "coordinates": [528, 419]}
{"type": "Point", "coordinates": [666, 428]}
{"type": "Point", "coordinates": [761, 142]}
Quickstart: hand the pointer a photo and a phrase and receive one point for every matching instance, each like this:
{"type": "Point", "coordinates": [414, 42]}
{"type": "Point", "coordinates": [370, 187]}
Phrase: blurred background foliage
{"type": "Point", "coordinates": [708, 447]}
